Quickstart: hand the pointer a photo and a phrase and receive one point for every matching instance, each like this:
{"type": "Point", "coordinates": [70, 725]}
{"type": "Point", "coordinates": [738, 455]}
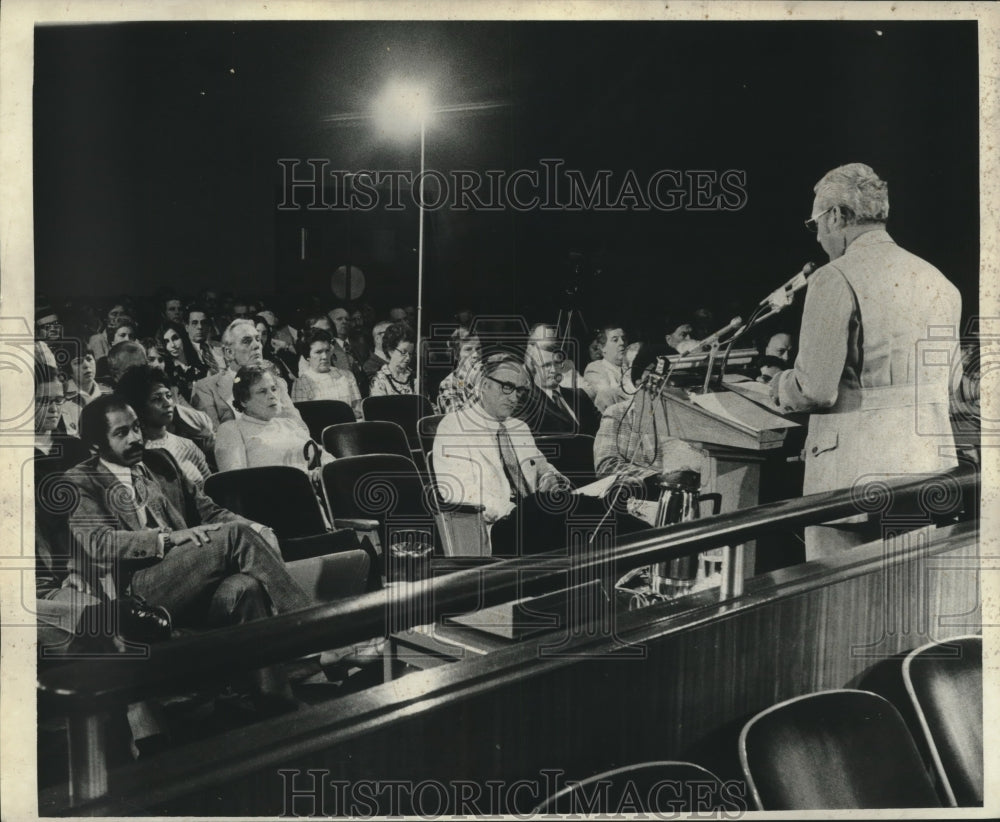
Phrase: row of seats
{"type": "Point", "coordinates": [840, 749]}
{"type": "Point", "coordinates": [332, 423]}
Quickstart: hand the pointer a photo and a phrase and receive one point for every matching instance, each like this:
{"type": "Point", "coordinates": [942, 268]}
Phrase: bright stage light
{"type": "Point", "coordinates": [402, 109]}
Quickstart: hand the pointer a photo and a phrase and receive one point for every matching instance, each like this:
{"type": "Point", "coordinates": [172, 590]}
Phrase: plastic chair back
{"type": "Point", "coordinates": [945, 683]}
{"type": "Point", "coordinates": [278, 496]}
{"type": "Point", "coordinates": [646, 787]}
{"type": "Point", "coordinates": [833, 750]}
{"type": "Point", "coordinates": [355, 439]}
{"type": "Point", "coordinates": [318, 414]}
{"type": "Point", "coordinates": [402, 409]}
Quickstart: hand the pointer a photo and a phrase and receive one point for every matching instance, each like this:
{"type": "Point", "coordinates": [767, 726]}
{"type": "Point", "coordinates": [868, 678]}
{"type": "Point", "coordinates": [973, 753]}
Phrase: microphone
{"type": "Point", "coordinates": [782, 297]}
{"type": "Point", "coordinates": [711, 339]}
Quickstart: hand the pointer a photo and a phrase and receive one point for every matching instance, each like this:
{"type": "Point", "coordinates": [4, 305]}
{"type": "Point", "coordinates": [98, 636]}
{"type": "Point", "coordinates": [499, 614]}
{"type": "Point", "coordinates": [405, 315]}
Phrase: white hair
{"type": "Point", "coordinates": [230, 333]}
{"type": "Point", "coordinates": [857, 188]}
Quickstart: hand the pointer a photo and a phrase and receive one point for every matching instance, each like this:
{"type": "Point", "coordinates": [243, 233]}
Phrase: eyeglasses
{"type": "Point", "coordinates": [509, 387]}
{"type": "Point", "coordinates": [407, 354]}
{"type": "Point", "coordinates": [812, 224]}
{"type": "Point", "coordinates": [57, 401]}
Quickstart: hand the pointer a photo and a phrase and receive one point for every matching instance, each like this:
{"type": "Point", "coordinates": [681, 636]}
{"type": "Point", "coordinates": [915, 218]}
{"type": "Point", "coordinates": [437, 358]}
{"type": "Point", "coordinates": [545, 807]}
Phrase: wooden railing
{"type": "Point", "coordinates": [86, 691]}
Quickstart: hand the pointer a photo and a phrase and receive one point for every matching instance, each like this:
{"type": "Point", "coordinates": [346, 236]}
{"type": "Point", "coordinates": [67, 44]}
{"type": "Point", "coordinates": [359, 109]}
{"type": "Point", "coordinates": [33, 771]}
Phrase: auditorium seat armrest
{"type": "Point", "coordinates": [357, 524]}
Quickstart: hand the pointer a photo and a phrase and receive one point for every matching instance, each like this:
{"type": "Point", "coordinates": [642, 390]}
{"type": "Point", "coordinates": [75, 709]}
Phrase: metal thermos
{"type": "Point", "coordinates": [679, 502]}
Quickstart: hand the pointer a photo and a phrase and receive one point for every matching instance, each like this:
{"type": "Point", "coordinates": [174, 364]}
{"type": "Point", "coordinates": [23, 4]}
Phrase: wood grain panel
{"type": "Point", "coordinates": [512, 714]}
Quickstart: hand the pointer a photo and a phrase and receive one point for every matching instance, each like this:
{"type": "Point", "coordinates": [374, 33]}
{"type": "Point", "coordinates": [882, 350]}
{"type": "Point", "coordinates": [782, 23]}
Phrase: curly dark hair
{"type": "Point", "coordinates": [305, 341]}
{"type": "Point", "coordinates": [137, 383]}
{"type": "Point", "coordinates": [394, 335]}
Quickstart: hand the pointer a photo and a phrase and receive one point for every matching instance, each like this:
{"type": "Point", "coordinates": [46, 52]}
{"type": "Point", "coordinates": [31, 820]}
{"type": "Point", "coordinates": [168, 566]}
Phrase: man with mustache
{"type": "Point", "coordinates": [162, 538]}
{"type": "Point", "coordinates": [150, 532]}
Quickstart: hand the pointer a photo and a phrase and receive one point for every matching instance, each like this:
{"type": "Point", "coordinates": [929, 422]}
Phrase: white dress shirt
{"type": "Point", "coordinates": [467, 464]}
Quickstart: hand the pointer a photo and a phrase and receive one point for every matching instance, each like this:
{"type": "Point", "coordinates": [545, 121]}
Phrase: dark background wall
{"type": "Point", "coordinates": [156, 149]}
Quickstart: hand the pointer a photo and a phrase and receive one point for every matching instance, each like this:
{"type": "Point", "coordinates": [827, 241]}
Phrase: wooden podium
{"type": "Point", "coordinates": [737, 433]}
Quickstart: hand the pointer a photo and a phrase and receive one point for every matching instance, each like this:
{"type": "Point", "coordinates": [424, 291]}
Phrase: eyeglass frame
{"type": "Point", "coordinates": [812, 224]}
{"type": "Point", "coordinates": [508, 388]}
{"type": "Point", "coordinates": [402, 353]}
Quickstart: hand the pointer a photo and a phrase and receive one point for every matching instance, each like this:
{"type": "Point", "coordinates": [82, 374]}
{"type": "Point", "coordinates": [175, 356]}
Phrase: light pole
{"type": "Point", "coordinates": [400, 108]}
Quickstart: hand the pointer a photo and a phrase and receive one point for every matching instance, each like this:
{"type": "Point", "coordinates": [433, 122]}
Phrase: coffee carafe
{"type": "Point", "coordinates": [679, 502]}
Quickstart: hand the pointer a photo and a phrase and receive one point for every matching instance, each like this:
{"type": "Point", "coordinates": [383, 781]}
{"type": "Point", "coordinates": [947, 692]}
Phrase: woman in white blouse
{"type": "Point", "coordinates": [605, 374]}
{"type": "Point", "coordinates": [321, 380]}
{"type": "Point", "coordinates": [262, 433]}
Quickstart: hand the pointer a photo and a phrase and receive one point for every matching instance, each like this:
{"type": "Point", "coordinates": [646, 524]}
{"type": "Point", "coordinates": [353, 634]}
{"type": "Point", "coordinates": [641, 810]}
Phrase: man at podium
{"type": "Point", "coordinates": [878, 407]}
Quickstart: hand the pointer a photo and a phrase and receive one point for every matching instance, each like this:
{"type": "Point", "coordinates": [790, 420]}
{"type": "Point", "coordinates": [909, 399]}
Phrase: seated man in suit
{"type": "Point", "coordinates": [241, 345]}
{"type": "Point", "coordinates": [140, 521]}
{"type": "Point", "coordinates": [544, 337]}
{"type": "Point", "coordinates": [550, 409]}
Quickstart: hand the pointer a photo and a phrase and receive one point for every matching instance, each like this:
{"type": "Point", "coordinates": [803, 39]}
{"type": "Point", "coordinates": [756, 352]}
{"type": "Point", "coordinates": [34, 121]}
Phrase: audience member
{"type": "Point", "coordinates": [396, 376]}
{"type": "Point", "coordinates": [777, 356]}
{"type": "Point", "coordinates": [543, 337]}
{"type": "Point", "coordinates": [62, 449]}
{"type": "Point", "coordinates": [341, 352]}
{"type": "Point", "coordinates": [172, 308]}
{"type": "Point", "coordinates": [634, 439]}
{"type": "Point", "coordinates": [147, 390]}
{"type": "Point", "coordinates": [162, 539]}
{"type": "Point", "coordinates": [678, 335]}
{"type": "Point", "coordinates": [183, 365]}
{"type": "Point", "coordinates": [83, 370]}
{"type": "Point", "coordinates": [551, 409]}
{"type": "Point", "coordinates": [377, 360]}
{"type": "Point", "coordinates": [214, 394]}
{"type": "Point", "coordinates": [285, 362]}
{"type": "Point", "coordinates": [100, 343]}
{"type": "Point", "coordinates": [320, 380]}
{"type": "Point", "coordinates": [262, 434]}
{"type": "Point", "coordinates": [605, 374]}
{"type": "Point", "coordinates": [460, 387]}
{"type": "Point", "coordinates": [359, 336]}
{"type": "Point", "coordinates": [283, 336]}
{"type": "Point", "coordinates": [198, 324]}
{"type": "Point", "coordinates": [484, 456]}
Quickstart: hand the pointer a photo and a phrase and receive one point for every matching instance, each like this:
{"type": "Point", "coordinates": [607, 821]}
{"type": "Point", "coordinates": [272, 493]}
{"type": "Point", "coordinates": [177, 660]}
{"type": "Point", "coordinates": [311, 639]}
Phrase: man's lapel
{"type": "Point", "coordinates": [118, 498]}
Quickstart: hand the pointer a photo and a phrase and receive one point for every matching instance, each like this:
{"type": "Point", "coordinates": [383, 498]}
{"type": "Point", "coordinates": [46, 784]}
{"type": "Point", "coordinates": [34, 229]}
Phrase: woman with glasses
{"type": "Point", "coordinates": [461, 386]}
{"type": "Point", "coordinates": [396, 376]}
{"type": "Point", "coordinates": [319, 378]}
{"type": "Point", "coordinates": [147, 390]}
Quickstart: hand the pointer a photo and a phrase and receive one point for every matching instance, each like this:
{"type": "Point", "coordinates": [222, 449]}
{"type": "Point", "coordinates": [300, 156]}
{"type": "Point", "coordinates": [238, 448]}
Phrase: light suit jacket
{"type": "Point", "coordinates": [878, 341]}
{"type": "Point", "coordinates": [213, 395]}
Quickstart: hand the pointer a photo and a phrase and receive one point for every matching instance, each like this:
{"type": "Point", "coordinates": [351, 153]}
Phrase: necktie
{"type": "Point", "coordinates": [511, 466]}
{"type": "Point", "coordinates": [557, 398]}
{"type": "Point", "coordinates": [140, 489]}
